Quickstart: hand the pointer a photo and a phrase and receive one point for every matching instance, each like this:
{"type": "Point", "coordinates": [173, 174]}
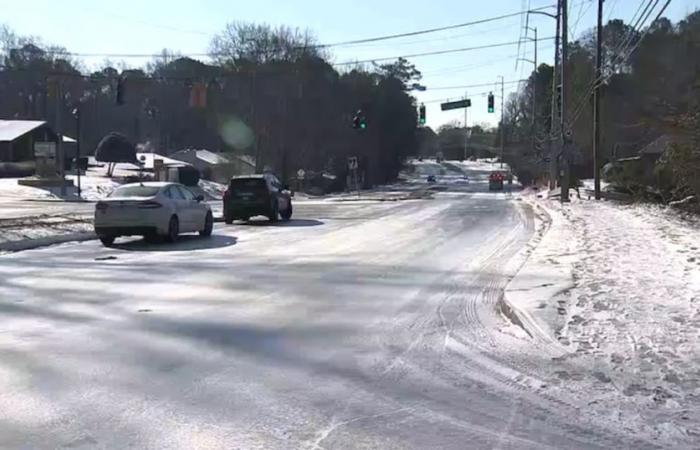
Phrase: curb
{"type": "Point", "coordinates": [29, 244]}
{"type": "Point", "coordinates": [519, 316]}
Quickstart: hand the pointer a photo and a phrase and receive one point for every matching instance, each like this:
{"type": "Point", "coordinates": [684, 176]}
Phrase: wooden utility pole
{"type": "Point", "coordinates": [564, 154]}
{"type": "Point", "coordinates": [466, 127]}
{"type": "Point", "coordinates": [596, 101]}
{"type": "Point", "coordinates": [503, 134]}
{"type": "Point", "coordinates": [554, 125]}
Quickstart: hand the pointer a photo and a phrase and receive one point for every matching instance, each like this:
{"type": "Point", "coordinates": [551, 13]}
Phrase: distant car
{"type": "Point", "coordinates": [496, 181]}
{"type": "Point", "coordinates": [432, 179]}
{"type": "Point", "coordinates": [257, 195]}
{"type": "Point", "coordinates": [152, 210]}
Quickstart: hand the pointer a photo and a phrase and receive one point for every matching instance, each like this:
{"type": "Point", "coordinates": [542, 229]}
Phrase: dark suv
{"type": "Point", "coordinates": [257, 195]}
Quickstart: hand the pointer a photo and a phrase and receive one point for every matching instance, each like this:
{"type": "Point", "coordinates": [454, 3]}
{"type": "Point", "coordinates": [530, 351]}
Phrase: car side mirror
{"type": "Point", "coordinates": [199, 198]}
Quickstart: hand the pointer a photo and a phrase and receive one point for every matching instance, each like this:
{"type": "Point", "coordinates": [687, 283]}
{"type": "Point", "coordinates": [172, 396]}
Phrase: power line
{"type": "Point", "coordinates": [144, 22]}
{"type": "Point", "coordinates": [442, 100]}
{"type": "Point", "coordinates": [328, 45]}
{"type": "Point", "coordinates": [613, 4]}
{"type": "Point", "coordinates": [618, 53]}
{"type": "Point", "coordinates": [386, 58]}
{"type": "Point", "coordinates": [581, 13]}
{"type": "Point", "coordinates": [438, 52]}
{"type": "Point", "coordinates": [464, 68]}
{"type": "Point", "coordinates": [625, 57]}
{"type": "Point", "coordinates": [469, 85]}
{"type": "Point", "coordinates": [439, 39]}
{"type": "Point", "coordinates": [429, 30]}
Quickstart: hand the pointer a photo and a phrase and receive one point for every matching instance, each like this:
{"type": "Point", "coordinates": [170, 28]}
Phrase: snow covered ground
{"type": "Point", "coordinates": [370, 325]}
{"type": "Point", "coordinates": [618, 287]}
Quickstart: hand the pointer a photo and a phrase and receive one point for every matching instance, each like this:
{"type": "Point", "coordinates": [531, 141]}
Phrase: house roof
{"type": "Point", "coordinates": [13, 129]}
{"type": "Point", "coordinates": [211, 157]}
{"type": "Point", "coordinates": [657, 146]}
{"type": "Point", "coordinates": [246, 159]}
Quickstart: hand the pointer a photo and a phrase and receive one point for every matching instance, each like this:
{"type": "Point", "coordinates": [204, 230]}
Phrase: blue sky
{"type": "Point", "coordinates": [138, 26]}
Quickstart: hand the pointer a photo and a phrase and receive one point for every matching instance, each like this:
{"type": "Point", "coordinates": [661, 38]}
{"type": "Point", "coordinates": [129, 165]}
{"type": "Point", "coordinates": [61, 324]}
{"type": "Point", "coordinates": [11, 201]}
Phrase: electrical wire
{"type": "Point", "coordinates": [429, 30]}
{"type": "Point", "coordinates": [618, 53]}
{"type": "Point", "coordinates": [443, 100]}
{"type": "Point", "coordinates": [385, 58]}
{"type": "Point", "coordinates": [628, 54]}
{"type": "Point", "coordinates": [438, 52]}
{"type": "Point", "coordinates": [613, 4]}
{"type": "Point", "coordinates": [469, 85]}
{"type": "Point", "coordinates": [581, 13]}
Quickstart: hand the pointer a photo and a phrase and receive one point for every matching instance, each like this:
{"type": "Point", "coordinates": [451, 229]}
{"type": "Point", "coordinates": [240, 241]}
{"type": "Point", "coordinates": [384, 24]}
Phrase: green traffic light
{"type": "Point", "coordinates": [491, 109]}
{"type": "Point", "coordinates": [363, 125]}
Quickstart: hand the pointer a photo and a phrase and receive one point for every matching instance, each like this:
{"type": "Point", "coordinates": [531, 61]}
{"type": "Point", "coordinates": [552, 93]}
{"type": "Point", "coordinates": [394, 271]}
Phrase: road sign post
{"type": "Point", "coordinates": [353, 165]}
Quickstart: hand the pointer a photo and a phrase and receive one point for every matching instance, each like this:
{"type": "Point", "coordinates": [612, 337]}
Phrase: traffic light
{"type": "Point", "coordinates": [359, 121]}
{"type": "Point", "coordinates": [120, 91]}
{"type": "Point", "coordinates": [491, 107]}
{"type": "Point", "coordinates": [421, 114]}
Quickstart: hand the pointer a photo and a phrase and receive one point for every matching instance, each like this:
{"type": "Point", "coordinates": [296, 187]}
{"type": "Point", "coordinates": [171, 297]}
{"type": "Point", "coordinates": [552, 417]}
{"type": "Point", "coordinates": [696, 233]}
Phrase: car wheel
{"type": "Point", "coordinates": [107, 241]}
{"type": "Point", "coordinates": [287, 213]}
{"type": "Point", "coordinates": [208, 225]}
{"type": "Point", "coordinates": [275, 213]}
{"type": "Point", "coordinates": [173, 229]}
{"type": "Point", "coordinates": [228, 220]}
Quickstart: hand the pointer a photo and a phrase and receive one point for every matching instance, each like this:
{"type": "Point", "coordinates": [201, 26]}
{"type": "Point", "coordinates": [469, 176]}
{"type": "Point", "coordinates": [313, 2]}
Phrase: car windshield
{"type": "Point", "coordinates": [135, 191]}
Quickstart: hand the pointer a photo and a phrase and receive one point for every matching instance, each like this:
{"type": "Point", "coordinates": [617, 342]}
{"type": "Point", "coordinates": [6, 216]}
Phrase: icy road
{"type": "Point", "coordinates": [360, 324]}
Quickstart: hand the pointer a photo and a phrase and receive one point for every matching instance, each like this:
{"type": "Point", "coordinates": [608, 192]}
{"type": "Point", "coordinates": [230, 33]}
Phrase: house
{"type": "Point", "coordinates": [22, 142]}
{"type": "Point", "coordinates": [217, 166]}
{"type": "Point", "coordinates": [151, 166]}
{"type": "Point", "coordinates": [640, 169]}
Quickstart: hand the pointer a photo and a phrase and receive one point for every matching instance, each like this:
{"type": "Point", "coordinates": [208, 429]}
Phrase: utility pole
{"type": "Point", "coordinates": [564, 104]}
{"type": "Point", "coordinates": [554, 125]}
{"type": "Point", "coordinates": [77, 147]}
{"type": "Point", "coordinates": [466, 127]}
{"type": "Point", "coordinates": [60, 159]}
{"type": "Point", "coordinates": [503, 134]}
{"type": "Point", "coordinates": [596, 101]}
{"type": "Point", "coordinates": [534, 90]}
{"type": "Point", "coordinates": [534, 100]}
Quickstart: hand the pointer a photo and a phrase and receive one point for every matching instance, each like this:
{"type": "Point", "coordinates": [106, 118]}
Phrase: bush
{"type": "Point", "coordinates": [684, 164]}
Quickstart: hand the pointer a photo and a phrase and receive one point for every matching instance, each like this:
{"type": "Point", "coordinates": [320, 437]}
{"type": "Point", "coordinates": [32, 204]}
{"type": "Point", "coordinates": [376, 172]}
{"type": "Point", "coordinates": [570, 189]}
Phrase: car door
{"type": "Point", "coordinates": [196, 210]}
{"type": "Point", "coordinates": [181, 208]}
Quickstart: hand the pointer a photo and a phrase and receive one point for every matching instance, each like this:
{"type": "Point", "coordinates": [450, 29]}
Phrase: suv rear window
{"type": "Point", "coordinates": [248, 185]}
{"type": "Point", "coordinates": [135, 191]}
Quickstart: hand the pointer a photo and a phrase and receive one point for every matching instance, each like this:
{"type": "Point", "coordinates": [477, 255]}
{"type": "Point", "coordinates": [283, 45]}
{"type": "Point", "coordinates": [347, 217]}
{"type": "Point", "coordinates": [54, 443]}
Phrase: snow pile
{"type": "Point", "coordinates": [539, 291]}
{"type": "Point", "coordinates": [212, 189]}
{"type": "Point", "coordinates": [29, 232]}
{"type": "Point", "coordinates": [9, 189]}
{"type": "Point", "coordinates": [94, 186]}
{"type": "Point", "coordinates": [619, 288]}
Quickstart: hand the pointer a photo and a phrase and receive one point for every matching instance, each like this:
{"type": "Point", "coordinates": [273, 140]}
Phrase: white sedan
{"type": "Point", "coordinates": [152, 210]}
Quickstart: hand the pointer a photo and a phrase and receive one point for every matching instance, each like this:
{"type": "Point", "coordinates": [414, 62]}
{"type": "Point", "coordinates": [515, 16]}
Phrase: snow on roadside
{"type": "Point", "coordinates": [29, 231]}
{"type": "Point", "coordinates": [538, 292]}
{"type": "Point", "coordinates": [10, 189]}
{"type": "Point", "coordinates": [619, 288]}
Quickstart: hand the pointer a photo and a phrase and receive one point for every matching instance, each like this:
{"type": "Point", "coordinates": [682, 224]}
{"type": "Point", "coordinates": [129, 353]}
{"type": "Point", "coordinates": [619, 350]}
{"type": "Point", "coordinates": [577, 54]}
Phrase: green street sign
{"type": "Point", "coordinates": [466, 103]}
